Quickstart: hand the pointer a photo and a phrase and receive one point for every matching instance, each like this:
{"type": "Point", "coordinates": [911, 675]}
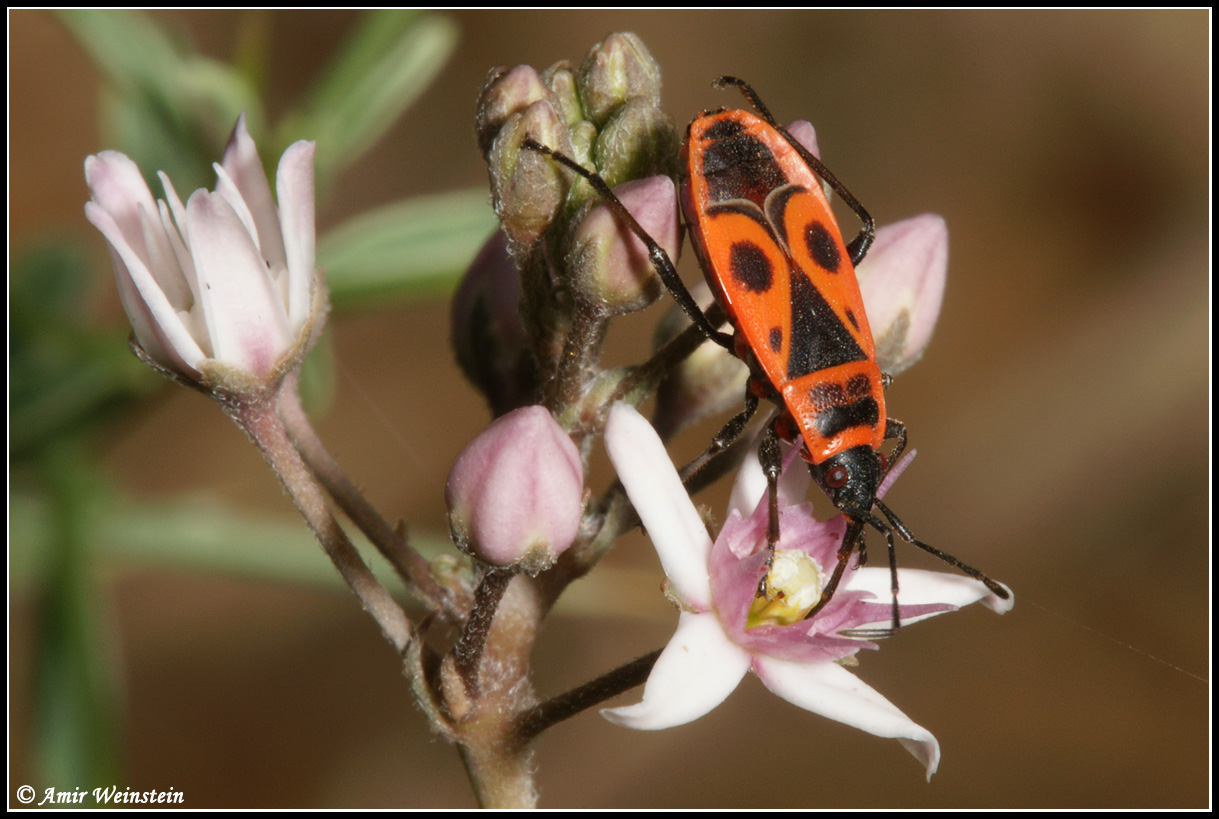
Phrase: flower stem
{"type": "Point", "coordinates": [612, 683]}
{"type": "Point", "coordinates": [411, 566]}
{"type": "Point", "coordinates": [262, 422]}
{"type": "Point", "coordinates": [469, 648]}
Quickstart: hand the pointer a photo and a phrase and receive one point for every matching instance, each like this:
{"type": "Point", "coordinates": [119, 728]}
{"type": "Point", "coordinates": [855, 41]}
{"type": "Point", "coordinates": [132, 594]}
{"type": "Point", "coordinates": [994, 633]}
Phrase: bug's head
{"type": "Point", "coordinates": [850, 478]}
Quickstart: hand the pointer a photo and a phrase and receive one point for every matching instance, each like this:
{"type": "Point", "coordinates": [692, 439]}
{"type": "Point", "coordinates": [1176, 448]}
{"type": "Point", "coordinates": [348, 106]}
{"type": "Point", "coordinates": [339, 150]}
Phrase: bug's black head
{"type": "Point", "coordinates": [850, 478]}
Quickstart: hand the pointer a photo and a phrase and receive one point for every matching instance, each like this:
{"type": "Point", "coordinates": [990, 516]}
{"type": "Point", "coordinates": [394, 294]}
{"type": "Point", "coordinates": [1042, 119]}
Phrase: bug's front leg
{"type": "Point", "coordinates": [895, 429]}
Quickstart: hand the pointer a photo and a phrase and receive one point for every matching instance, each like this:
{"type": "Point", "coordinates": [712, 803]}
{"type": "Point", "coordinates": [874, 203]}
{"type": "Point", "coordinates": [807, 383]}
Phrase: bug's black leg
{"type": "Point", "coordinates": [906, 535]}
{"type": "Point", "coordinates": [876, 633]}
{"type": "Point", "coordinates": [660, 260]}
{"type": "Point", "coordinates": [895, 429]}
{"type": "Point", "coordinates": [771, 458]}
{"type": "Point", "coordinates": [853, 537]}
{"type": "Point", "coordinates": [857, 248]}
{"type": "Point", "coordinates": [723, 439]}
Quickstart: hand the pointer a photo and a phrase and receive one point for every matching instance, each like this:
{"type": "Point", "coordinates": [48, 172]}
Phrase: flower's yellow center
{"type": "Point", "coordinates": [793, 586]}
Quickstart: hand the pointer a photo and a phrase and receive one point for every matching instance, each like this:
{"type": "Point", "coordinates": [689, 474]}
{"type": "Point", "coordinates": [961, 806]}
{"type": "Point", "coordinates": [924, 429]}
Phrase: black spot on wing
{"type": "Point", "coordinates": [851, 318]}
{"type": "Point", "coordinates": [818, 338]}
{"type": "Point", "coordinates": [822, 246]}
{"type": "Point", "coordinates": [859, 386]}
{"type": "Point", "coordinates": [750, 267]}
{"type": "Point", "coordinates": [776, 339]}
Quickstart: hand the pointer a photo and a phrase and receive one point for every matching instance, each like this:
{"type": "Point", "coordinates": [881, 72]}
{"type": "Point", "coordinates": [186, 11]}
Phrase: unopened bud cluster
{"type": "Point", "coordinates": [531, 313]}
{"type": "Point", "coordinates": [606, 116]}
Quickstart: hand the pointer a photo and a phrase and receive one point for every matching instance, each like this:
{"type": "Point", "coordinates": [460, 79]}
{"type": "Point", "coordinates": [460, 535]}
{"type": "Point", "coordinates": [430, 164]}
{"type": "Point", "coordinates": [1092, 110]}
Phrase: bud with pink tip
{"type": "Point", "coordinates": [516, 493]}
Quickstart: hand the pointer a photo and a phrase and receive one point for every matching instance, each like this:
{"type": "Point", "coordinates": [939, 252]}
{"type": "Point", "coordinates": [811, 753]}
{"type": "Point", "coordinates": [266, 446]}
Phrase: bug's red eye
{"type": "Point", "coordinates": [836, 478]}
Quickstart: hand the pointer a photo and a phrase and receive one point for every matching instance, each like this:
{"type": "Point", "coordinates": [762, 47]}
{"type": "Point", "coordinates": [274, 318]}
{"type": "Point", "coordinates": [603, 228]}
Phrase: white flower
{"type": "Point", "coordinates": [722, 632]}
{"type": "Point", "coordinates": [221, 290]}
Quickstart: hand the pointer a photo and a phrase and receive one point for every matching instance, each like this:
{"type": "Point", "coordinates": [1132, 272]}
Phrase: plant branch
{"type": "Point", "coordinates": [611, 684]}
{"type": "Point", "coordinates": [411, 566]}
{"type": "Point", "coordinates": [262, 422]}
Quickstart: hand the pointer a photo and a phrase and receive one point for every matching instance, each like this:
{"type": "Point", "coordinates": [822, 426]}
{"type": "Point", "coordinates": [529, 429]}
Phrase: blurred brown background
{"type": "Point", "coordinates": [1062, 414]}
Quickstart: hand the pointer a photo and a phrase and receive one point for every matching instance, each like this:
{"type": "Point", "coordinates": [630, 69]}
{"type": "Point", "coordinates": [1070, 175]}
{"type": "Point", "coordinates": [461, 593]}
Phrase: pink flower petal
{"type": "Point", "coordinates": [120, 190]}
{"type": "Point", "coordinates": [830, 690]}
{"type": "Point", "coordinates": [902, 282]}
{"type": "Point", "coordinates": [246, 319]}
{"type": "Point", "coordinates": [750, 483]}
{"type": "Point", "coordinates": [243, 166]}
{"type": "Point", "coordinates": [697, 671]}
{"type": "Point", "coordinates": [155, 321]}
{"type": "Point", "coordinates": [294, 186]}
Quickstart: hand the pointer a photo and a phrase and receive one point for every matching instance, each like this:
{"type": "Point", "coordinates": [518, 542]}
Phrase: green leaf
{"type": "Point", "coordinates": [166, 108]}
{"type": "Point", "coordinates": [194, 533]}
{"type": "Point", "coordinates": [407, 250]}
{"type": "Point", "coordinates": [386, 63]}
{"type": "Point", "coordinates": [76, 687]}
{"type": "Point", "coordinates": [64, 376]}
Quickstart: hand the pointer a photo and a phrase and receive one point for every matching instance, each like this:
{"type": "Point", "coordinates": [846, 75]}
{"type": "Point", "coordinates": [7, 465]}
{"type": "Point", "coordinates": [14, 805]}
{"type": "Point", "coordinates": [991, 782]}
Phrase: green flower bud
{"type": "Point", "coordinates": [617, 69]}
{"type": "Point", "coordinates": [560, 80]}
{"type": "Point", "coordinates": [527, 187]}
{"type": "Point", "coordinates": [506, 92]}
{"type": "Point", "coordinates": [710, 381]}
{"type": "Point", "coordinates": [638, 141]}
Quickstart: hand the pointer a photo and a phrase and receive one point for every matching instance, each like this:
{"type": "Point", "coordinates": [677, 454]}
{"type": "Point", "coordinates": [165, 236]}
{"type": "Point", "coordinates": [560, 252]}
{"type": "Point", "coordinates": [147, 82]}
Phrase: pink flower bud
{"type": "Point", "coordinates": [487, 333]}
{"type": "Point", "coordinates": [516, 493]}
{"type": "Point", "coordinates": [609, 266]}
{"type": "Point", "coordinates": [902, 283]}
{"type": "Point", "coordinates": [806, 135]}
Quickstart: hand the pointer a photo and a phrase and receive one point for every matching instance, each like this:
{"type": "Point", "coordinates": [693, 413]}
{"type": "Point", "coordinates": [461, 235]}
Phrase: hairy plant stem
{"type": "Point", "coordinates": [473, 641]}
{"type": "Point", "coordinates": [411, 566]}
{"type": "Point", "coordinates": [260, 419]}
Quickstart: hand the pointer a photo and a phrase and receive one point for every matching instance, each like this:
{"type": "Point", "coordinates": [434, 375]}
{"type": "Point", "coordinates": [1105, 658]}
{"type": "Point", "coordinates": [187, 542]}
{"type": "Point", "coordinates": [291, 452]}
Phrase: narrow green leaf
{"type": "Point", "coordinates": [165, 107]}
{"type": "Point", "coordinates": [373, 80]}
{"type": "Point", "coordinates": [76, 687]}
{"type": "Point", "coordinates": [407, 250]}
{"type": "Point", "coordinates": [191, 533]}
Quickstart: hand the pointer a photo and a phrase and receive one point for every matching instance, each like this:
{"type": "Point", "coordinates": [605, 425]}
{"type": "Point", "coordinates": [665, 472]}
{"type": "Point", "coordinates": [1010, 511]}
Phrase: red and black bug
{"type": "Point", "coordinates": [771, 249]}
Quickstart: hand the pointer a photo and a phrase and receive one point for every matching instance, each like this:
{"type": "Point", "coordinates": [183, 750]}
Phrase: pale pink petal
{"type": "Point", "coordinates": [902, 282]}
{"type": "Point", "coordinates": [830, 690]}
{"type": "Point", "coordinates": [921, 587]}
{"type": "Point", "coordinates": [668, 515]}
{"type": "Point", "coordinates": [895, 472]}
{"type": "Point", "coordinates": [244, 169]}
{"type": "Point", "coordinates": [697, 671]}
{"type": "Point", "coordinates": [806, 135]}
{"type": "Point", "coordinates": [120, 190]}
{"type": "Point", "coordinates": [246, 319]}
{"type": "Point", "coordinates": [294, 186]}
{"type": "Point", "coordinates": [155, 321]}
